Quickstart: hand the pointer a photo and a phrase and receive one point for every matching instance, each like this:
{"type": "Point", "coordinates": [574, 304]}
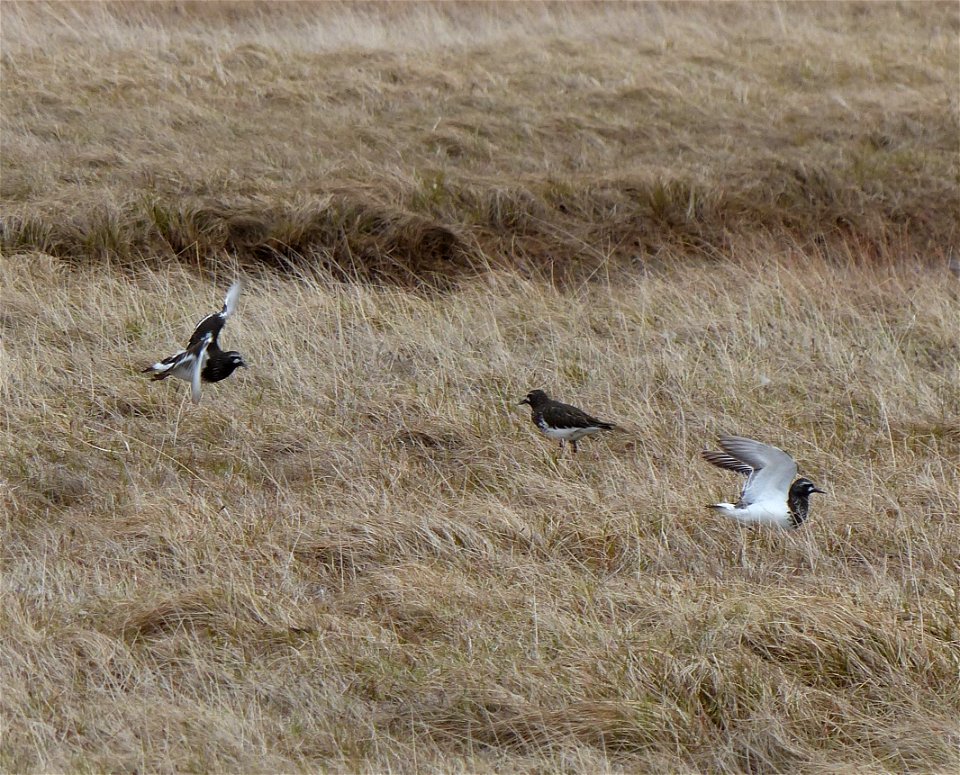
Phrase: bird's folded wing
{"type": "Point", "coordinates": [567, 416]}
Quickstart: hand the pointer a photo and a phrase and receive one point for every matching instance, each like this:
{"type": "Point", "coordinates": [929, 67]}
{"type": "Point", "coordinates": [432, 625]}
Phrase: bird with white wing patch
{"type": "Point", "coordinates": [769, 496]}
{"type": "Point", "coordinates": [202, 359]}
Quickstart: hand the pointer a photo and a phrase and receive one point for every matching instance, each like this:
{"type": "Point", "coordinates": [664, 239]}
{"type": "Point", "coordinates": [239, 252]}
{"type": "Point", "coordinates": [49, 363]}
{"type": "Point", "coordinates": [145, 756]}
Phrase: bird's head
{"type": "Point", "coordinates": [534, 398]}
{"type": "Point", "coordinates": [234, 360]}
{"type": "Point", "coordinates": [804, 488]}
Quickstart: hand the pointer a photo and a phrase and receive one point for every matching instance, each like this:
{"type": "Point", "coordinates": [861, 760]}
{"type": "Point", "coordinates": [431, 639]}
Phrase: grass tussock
{"type": "Point", "coordinates": [358, 554]}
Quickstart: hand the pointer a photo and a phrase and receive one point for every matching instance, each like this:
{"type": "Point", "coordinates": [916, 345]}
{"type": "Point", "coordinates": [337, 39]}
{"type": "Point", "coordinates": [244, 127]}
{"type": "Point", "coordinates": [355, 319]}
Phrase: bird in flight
{"type": "Point", "coordinates": [202, 359]}
{"type": "Point", "coordinates": [770, 496]}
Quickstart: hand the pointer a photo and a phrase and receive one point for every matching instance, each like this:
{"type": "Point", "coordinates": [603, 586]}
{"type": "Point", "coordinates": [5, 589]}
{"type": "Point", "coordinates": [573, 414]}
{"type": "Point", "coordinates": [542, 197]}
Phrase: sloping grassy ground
{"type": "Point", "coordinates": [423, 143]}
{"type": "Point", "coordinates": [358, 554]}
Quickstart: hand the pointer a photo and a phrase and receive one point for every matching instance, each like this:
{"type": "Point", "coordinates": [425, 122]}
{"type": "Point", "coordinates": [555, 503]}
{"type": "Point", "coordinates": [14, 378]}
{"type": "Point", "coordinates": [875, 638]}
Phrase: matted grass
{"type": "Point", "coordinates": [358, 554]}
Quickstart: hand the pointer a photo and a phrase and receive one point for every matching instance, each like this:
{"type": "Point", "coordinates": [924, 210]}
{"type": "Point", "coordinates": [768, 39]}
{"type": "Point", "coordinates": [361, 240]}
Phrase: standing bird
{"type": "Point", "coordinates": [203, 358]}
{"type": "Point", "coordinates": [768, 497]}
{"type": "Point", "coordinates": [561, 421]}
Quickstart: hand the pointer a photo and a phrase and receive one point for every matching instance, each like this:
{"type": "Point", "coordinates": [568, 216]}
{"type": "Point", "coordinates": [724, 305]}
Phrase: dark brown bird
{"type": "Point", "coordinates": [557, 420]}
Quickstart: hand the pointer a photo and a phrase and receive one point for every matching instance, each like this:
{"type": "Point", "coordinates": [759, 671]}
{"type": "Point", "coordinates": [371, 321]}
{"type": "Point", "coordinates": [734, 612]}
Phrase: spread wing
{"type": "Point", "coordinates": [723, 460]}
{"type": "Point", "coordinates": [230, 301]}
{"type": "Point", "coordinates": [199, 355]}
{"type": "Point", "coordinates": [770, 470]}
{"type": "Point", "coordinates": [212, 324]}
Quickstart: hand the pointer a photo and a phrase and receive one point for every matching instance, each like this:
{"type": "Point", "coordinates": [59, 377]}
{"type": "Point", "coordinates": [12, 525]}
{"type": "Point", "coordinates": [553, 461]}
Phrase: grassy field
{"type": "Point", "coordinates": [358, 554]}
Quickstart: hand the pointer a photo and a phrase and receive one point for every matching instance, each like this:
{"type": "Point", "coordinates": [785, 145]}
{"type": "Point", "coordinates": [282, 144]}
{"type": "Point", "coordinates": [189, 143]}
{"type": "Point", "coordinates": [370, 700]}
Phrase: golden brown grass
{"type": "Point", "coordinates": [358, 555]}
{"type": "Point", "coordinates": [493, 133]}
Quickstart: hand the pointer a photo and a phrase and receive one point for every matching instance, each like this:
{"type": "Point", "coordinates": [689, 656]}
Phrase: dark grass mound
{"type": "Point", "coordinates": [441, 232]}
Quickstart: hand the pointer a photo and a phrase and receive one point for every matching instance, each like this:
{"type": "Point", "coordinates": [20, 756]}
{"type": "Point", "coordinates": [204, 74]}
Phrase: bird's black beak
{"type": "Point", "coordinates": [817, 489]}
{"type": "Point", "coordinates": [525, 401]}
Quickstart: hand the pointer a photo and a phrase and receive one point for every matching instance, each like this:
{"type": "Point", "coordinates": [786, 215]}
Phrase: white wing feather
{"type": "Point", "coordinates": [230, 302]}
{"type": "Point", "coordinates": [200, 358]}
{"type": "Point", "coordinates": [773, 469]}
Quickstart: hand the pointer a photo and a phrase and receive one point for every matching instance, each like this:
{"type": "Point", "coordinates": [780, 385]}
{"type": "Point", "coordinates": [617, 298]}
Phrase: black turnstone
{"type": "Point", "coordinates": [203, 359]}
{"type": "Point", "coordinates": [768, 497]}
{"type": "Point", "coordinates": [561, 421]}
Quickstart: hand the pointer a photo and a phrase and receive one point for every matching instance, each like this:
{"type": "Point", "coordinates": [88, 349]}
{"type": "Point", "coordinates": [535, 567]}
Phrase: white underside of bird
{"type": "Point", "coordinates": [769, 470]}
{"type": "Point", "coordinates": [567, 434]}
{"type": "Point", "coordinates": [763, 513]}
{"type": "Point", "coordinates": [180, 365]}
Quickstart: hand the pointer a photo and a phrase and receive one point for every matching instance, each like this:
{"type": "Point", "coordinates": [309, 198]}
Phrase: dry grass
{"type": "Point", "coordinates": [358, 555]}
{"type": "Point", "coordinates": [577, 136]}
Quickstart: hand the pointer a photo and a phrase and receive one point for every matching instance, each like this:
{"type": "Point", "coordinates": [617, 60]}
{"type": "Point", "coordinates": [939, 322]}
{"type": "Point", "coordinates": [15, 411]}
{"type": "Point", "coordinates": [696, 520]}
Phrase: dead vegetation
{"type": "Point", "coordinates": [617, 131]}
{"type": "Point", "coordinates": [358, 555]}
